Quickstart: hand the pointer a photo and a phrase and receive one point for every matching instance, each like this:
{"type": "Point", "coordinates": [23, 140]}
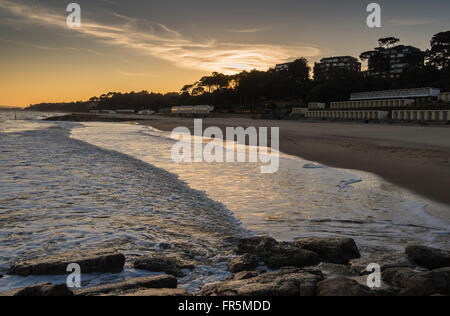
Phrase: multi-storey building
{"type": "Point", "coordinates": [391, 63]}
{"type": "Point", "coordinates": [282, 67]}
{"type": "Point", "coordinates": [327, 66]}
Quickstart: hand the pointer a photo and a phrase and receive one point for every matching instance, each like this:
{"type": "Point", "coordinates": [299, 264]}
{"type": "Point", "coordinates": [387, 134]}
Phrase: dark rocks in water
{"type": "Point", "coordinates": [386, 261]}
{"type": "Point", "coordinates": [159, 263]}
{"type": "Point", "coordinates": [245, 262]}
{"type": "Point", "coordinates": [105, 261]}
{"type": "Point", "coordinates": [276, 254]}
{"type": "Point", "coordinates": [332, 270]}
{"type": "Point", "coordinates": [429, 258]}
{"type": "Point", "coordinates": [342, 286]}
{"type": "Point", "coordinates": [244, 275]}
{"type": "Point", "coordinates": [258, 245]}
{"type": "Point", "coordinates": [159, 292]}
{"type": "Point", "coordinates": [45, 289]}
{"type": "Point", "coordinates": [285, 282]}
{"type": "Point", "coordinates": [130, 286]}
{"type": "Point", "coordinates": [413, 283]}
{"type": "Point", "coordinates": [333, 249]}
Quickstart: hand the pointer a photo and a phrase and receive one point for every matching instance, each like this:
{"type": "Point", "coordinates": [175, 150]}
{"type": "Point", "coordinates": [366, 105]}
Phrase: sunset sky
{"type": "Point", "coordinates": [159, 46]}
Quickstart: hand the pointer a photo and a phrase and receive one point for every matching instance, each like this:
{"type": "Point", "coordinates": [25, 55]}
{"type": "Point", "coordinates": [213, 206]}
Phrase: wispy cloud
{"type": "Point", "coordinates": [160, 41]}
{"type": "Point", "coordinates": [411, 22]}
{"type": "Point", "coordinates": [134, 74]}
{"type": "Point", "coordinates": [250, 30]}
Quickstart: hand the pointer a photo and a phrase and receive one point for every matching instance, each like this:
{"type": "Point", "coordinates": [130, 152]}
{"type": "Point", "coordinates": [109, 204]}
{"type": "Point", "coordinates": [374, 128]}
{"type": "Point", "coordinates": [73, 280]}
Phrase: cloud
{"type": "Point", "coordinates": [411, 22]}
{"type": "Point", "coordinates": [158, 40]}
{"type": "Point", "coordinates": [254, 30]}
{"type": "Point", "coordinates": [134, 74]}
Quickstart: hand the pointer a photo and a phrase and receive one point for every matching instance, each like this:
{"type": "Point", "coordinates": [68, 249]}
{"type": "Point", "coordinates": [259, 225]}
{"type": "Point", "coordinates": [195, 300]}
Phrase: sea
{"type": "Point", "coordinates": [68, 186]}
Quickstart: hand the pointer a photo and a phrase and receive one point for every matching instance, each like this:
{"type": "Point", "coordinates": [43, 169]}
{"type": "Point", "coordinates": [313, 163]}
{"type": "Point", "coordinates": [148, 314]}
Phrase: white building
{"type": "Point", "coordinates": [396, 94]}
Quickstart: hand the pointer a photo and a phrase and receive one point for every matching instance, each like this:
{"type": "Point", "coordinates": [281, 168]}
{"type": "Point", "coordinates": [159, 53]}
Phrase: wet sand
{"type": "Point", "coordinates": [411, 156]}
{"type": "Point", "coordinates": [414, 157]}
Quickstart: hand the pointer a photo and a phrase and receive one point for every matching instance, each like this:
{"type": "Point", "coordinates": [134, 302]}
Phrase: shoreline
{"type": "Point", "coordinates": [413, 157]}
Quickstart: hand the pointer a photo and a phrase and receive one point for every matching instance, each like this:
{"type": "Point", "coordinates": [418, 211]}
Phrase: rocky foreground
{"type": "Point", "coordinates": [262, 267]}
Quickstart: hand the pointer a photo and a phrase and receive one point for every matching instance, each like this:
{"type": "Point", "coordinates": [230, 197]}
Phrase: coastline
{"type": "Point", "coordinates": [413, 157]}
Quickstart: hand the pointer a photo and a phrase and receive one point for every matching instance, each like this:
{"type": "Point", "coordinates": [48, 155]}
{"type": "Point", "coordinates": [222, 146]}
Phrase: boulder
{"type": "Point", "coordinates": [285, 282]}
{"type": "Point", "coordinates": [159, 263]}
{"type": "Point", "coordinates": [386, 261]}
{"type": "Point", "coordinates": [45, 289]}
{"type": "Point", "coordinates": [244, 275]}
{"type": "Point", "coordinates": [332, 270]}
{"type": "Point", "coordinates": [436, 282]}
{"type": "Point", "coordinates": [106, 261]}
{"type": "Point", "coordinates": [342, 286]}
{"type": "Point", "coordinates": [276, 254]}
{"type": "Point", "coordinates": [429, 258]}
{"type": "Point", "coordinates": [245, 262]}
{"type": "Point", "coordinates": [337, 250]}
{"type": "Point", "coordinates": [131, 286]}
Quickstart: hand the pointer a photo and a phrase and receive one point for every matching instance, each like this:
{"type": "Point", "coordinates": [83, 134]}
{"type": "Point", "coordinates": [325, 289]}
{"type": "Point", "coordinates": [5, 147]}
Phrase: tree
{"type": "Point", "coordinates": [388, 42]}
{"type": "Point", "coordinates": [198, 91]}
{"type": "Point", "coordinates": [299, 70]}
{"type": "Point", "coordinates": [439, 54]}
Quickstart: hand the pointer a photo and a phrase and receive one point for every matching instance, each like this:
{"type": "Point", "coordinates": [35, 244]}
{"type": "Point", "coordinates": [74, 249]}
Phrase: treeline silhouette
{"type": "Point", "coordinates": [261, 91]}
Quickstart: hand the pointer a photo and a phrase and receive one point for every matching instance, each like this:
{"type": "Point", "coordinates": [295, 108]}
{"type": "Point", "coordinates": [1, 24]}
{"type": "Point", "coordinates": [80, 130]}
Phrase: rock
{"type": "Point", "coordinates": [342, 286]}
{"type": "Point", "coordinates": [159, 263]}
{"type": "Point", "coordinates": [244, 275]}
{"type": "Point", "coordinates": [436, 282]}
{"type": "Point", "coordinates": [245, 262]}
{"type": "Point", "coordinates": [429, 258]}
{"type": "Point", "coordinates": [276, 254]}
{"type": "Point", "coordinates": [285, 282]}
{"type": "Point", "coordinates": [386, 261]}
{"type": "Point", "coordinates": [45, 289]}
{"type": "Point", "coordinates": [160, 292]}
{"type": "Point", "coordinates": [258, 246]}
{"type": "Point", "coordinates": [99, 261]}
{"type": "Point", "coordinates": [332, 270]}
{"type": "Point", "coordinates": [133, 285]}
{"type": "Point", "coordinates": [334, 249]}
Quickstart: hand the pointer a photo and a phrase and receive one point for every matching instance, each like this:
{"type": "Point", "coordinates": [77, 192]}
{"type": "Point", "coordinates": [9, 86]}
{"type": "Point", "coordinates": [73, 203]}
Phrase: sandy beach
{"type": "Point", "coordinates": [411, 156]}
{"type": "Point", "coordinates": [414, 157]}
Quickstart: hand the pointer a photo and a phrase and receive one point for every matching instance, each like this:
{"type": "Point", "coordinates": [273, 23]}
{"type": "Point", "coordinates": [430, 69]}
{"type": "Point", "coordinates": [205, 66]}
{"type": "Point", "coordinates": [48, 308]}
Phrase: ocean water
{"type": "Point", "coordinates": [302, 199]}
{"type": "Point", "coordinates": [67, 186]}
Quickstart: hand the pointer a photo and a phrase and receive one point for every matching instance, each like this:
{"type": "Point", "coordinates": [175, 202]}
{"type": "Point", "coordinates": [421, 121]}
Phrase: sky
{"type": "Point", "coordinates": [159, 46]}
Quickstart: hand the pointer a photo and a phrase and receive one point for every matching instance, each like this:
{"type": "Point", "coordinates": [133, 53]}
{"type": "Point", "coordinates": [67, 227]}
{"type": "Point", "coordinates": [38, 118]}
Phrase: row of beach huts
{"type": "Point", "coordinates": [397, 105]}
{"type": "Point", "coordinates": [181, 111]}
{"type": "Point", "coordinates": [191, 110]}
{"type": "Point", "coordinates": [396, 115]}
